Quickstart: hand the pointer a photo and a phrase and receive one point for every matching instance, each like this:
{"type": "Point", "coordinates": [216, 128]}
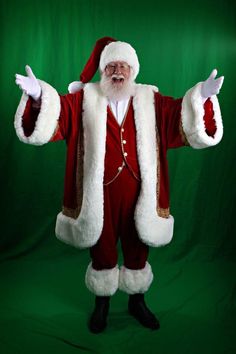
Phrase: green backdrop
{"type": "Point", "coordinates": [44, 305]}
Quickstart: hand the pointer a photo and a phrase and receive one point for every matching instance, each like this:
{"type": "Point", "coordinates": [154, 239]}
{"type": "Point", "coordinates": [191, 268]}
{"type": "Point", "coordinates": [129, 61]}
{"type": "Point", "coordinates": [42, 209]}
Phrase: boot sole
{"type": "Point", "coordinates": [154, 326]}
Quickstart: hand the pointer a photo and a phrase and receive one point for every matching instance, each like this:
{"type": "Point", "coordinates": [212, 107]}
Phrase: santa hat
{"type": "Point", "coordinates": [106, 50]}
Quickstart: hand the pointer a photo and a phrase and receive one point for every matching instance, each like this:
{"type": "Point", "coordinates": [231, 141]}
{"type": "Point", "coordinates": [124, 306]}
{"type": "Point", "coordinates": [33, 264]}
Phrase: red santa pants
{"type": "Point", "coordinates": [120, 198]}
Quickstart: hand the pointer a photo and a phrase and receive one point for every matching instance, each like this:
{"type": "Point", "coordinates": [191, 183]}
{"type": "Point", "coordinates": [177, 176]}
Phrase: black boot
{"type": "Point", "coordinates": [139, 310]}
{"type": "Point", "coordinates": [98, 319]}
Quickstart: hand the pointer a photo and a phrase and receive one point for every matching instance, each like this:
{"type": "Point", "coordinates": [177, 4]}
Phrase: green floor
{"type": "Point", "coordinates": [45, 307]}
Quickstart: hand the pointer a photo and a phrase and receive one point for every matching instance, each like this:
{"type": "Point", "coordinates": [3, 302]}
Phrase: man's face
{"type": "Point", "coordinates": [118, 72]}
{"type": "Point", "coordinates": [117, 82]}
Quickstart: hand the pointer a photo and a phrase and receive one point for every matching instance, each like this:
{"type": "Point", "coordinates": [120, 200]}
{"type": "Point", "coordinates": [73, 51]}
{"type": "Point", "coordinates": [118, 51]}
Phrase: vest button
{"type": "Point", "coordinates": [119, 168]}
{"type": "Point", "coordinates": [125, 154]}
{"type": "Point", "coordinates": [122, 129]}
{"type": "Point", "coordinates": [124, 141]}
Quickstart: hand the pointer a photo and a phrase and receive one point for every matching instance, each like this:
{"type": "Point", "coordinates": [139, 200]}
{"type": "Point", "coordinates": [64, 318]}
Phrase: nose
{"type": "Point", "coordinates": [117, 69]}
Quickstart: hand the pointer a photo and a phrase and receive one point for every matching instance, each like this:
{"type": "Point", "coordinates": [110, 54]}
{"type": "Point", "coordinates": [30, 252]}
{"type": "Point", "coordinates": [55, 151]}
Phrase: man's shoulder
{"type": "Point", "coordinates": [93, 88]}
{"type": "Point", "coordinates": [147, 87]}
{"type": "Point", "coordinates": [145, 91]}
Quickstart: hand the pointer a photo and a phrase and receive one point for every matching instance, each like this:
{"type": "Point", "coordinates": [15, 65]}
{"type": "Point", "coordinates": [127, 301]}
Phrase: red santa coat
{"type": "Point", "coordinates": [81, 119]}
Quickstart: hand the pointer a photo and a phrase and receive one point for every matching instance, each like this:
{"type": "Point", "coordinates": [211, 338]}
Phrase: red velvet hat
{"type": "Point", "coordinates": [93, 62]}
{"type": "Point", "coordinates": [106, 50]}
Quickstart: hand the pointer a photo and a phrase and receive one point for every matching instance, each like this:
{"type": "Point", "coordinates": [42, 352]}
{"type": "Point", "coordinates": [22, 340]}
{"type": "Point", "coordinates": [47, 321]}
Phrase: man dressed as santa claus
{"type": "Point", "coordinates": [116, 181]}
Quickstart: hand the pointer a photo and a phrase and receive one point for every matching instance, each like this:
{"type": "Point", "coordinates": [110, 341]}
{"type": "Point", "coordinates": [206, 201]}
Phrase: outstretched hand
{"type": "Point", "coordinates": [29, 84]}
{"type": "Point", "coordinates": [212, 85]}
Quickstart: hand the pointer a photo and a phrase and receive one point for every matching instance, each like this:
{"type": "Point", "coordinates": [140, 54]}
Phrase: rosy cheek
{"type": "Point", "coordinates": [127, 75]}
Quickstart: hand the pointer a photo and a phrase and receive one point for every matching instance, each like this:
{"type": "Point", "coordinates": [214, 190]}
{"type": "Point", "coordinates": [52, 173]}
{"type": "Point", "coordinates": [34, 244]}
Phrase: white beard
{"type": "Point", "coordinates": [116, 92]}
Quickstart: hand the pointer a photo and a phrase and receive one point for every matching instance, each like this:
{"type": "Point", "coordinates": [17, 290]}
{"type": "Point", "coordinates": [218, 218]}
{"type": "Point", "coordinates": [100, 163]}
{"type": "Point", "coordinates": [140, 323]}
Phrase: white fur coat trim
{"type": "Point", "coordinates": [85, 231]}
{"type": "Point", "coordinates": [192, 119]}
{"type": "Point", "coordinates": [153, 230]}
{"type": "Point", "coordinates": [47, 118]}
{"type": "Point", "coordinates": [102, 282]}
{"type": "Point", "coordinates": [135, 281]}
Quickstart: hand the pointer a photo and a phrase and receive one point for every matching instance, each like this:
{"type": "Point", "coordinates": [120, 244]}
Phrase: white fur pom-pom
{"type": "Point", "coordinates": [75, 86]}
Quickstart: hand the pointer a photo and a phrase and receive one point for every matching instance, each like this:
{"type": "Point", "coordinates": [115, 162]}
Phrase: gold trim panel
{"type": "Point", "coordinates": [71, 213]}
{"type": "Point", "coordinates": [163, 213]}
{"type": "Point", "coordinates": [182, 133]}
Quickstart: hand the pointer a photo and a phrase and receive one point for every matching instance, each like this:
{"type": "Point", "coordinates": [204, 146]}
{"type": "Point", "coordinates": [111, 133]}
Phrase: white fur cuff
{"type": "Point", "coordinates": [47, 118]}
{"type": "Point", "coordinates": [102, 282]}
{"type": "Point", "coordinates": [193, 122]}
{"type": "Point", "coordinates": [135, 281]}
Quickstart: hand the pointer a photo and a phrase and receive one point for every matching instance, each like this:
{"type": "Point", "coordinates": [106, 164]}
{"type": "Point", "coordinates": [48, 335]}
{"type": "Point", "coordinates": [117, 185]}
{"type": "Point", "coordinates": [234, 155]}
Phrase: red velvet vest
{"type": "Point", "coordinates": [121, 146]}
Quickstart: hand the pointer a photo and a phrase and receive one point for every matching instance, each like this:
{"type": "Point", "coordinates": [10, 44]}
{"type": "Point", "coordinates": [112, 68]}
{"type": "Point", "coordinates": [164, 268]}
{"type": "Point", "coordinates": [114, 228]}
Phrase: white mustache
{"type": "Point", "coordinates": [116, 76]}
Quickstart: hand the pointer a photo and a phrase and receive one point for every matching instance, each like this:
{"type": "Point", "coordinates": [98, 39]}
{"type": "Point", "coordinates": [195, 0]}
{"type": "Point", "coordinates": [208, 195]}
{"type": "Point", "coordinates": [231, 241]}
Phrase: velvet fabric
{"type": "Point", "coordinates": [121, 146]}
{"type": "Point", "coordinates": [168, 112]}
{"type": "Point", "coordinates": [121, 191]}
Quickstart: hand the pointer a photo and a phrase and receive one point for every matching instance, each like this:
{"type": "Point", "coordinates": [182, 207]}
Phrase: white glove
{"type": "Point", "coordinates": [211, 86]}
{"type": "Point", "coordinates": [29, 84]}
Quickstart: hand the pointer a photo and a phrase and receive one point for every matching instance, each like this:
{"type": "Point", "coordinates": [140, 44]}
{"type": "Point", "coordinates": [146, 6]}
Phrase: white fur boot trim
{"type": "Point", "coordinates": [135, 281]}
{"type": "Point", "coordinates": [102, 282]}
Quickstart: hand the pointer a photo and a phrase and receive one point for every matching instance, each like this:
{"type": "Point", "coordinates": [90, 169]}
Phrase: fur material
{"type": "Point", "coordinates": [102, 282]}
{"type": "Point", "coordinates": [75, 86]}
{"type": "Point", "coordinates": [153, 230]}
{"type": "Point", "coordinates": [47, 118]}
{"type": "Point", "coordinates": [135, 281]}
{"type": "Point", "coordinates": [120, 51]}
{"type": "Point", "coordinates": [192, 119]}
{"type": "Point", "coordinates": [86, 229]}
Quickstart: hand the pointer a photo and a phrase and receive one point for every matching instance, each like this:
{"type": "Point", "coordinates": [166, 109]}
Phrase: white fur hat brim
{"type": "Point", "coordinates": [119, 51]}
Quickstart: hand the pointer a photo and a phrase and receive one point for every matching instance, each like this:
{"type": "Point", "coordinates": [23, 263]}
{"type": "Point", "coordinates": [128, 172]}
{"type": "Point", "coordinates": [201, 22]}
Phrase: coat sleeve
{"type": "Point", "coordinates": [202, 124]}
{"type": "Point", "coordinates": [51, 120]}
{"type": "Point", "coordinates": [187, 121]}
